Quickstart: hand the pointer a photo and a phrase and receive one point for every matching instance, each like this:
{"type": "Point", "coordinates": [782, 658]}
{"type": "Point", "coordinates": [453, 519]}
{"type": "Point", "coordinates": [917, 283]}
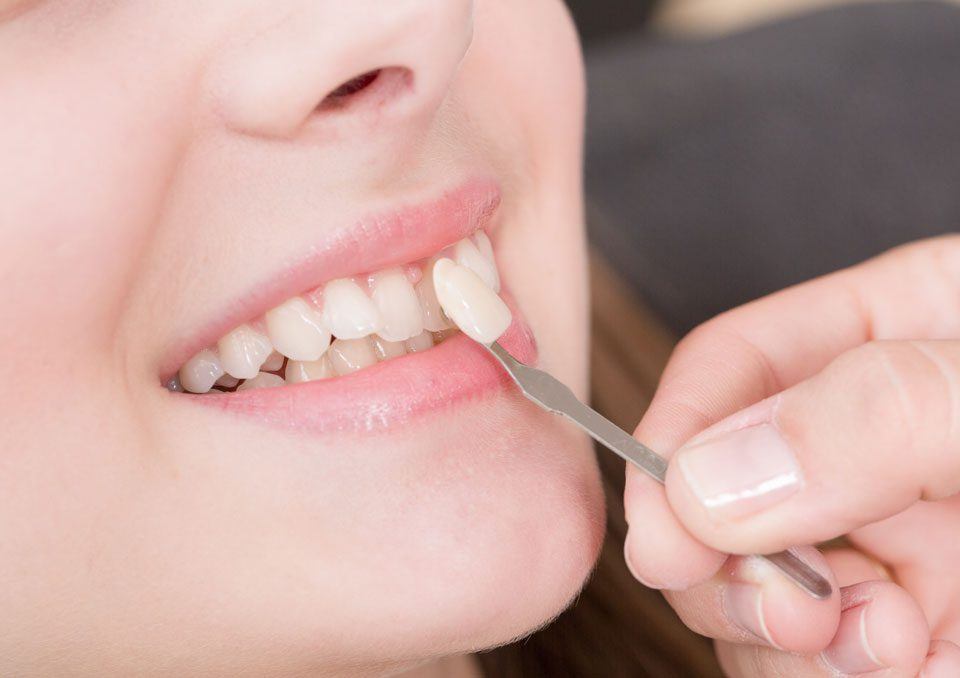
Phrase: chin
{"type": "Point", "coordinates": [494, 525]}
{"type": "Point", "coordinates": [512, 539]}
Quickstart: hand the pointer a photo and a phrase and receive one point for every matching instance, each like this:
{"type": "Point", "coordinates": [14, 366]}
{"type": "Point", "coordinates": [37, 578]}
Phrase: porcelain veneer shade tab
{"type": "Point", "coordinates": [469, 302]}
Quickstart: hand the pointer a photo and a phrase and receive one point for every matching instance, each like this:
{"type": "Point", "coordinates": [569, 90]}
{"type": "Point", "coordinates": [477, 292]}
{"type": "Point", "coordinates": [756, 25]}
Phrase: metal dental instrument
{"type": "Point", "coordinates": [555, 397]}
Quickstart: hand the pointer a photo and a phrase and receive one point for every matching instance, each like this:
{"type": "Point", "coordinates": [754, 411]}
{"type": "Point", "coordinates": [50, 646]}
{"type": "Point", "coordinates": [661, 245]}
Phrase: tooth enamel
{"type": "Point", "coordinates": [467, 254]}
{"type": "Point", "coordinates": [227, 381]}
{"type": "Point", "coordinates": [262, 380]}
{"type": "Point", "coordinates": [482, 241]}
{"type": "Point", "coordinates": [298, 372]}
{"type": "Point", "coordinates": [243, 351]}
{"type": "Point", "coordinates": [408, 309]}
{"type": "Point", "coordinates": [200, 373]}
{"type": "Point", "coordinates": [399, 306]}
{"type": "Point", "coordinates": [421, 342]}
{"type": "Point", "coordinates": [348, 312]}
{"type": "Point", "coordinates": [468, 302]}
{"type": "Point", "coordinates": [433, 318]}
{"type": "Point", "coordinates": [297, 331]}
{"type": "Point", "coordinates": [273, 363]}
{"type": "Point", "coordinates": [386, 350]}
{"type": "Point", "coordinates": [350, 355]}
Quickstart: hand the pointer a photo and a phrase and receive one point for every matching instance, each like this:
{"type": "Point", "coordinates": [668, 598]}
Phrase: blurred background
{"type": "Point", "coordinates": [734, 147]}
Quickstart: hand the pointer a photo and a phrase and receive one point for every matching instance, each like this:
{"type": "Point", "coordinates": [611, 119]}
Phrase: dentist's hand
{"type": "Point", "coordinates": [827, 409]}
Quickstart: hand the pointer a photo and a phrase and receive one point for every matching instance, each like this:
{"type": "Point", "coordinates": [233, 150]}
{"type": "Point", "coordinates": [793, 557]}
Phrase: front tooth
{"type": "Point", "coordinates": [350, 355]}
{"type": "Point", "coordinates": [348, 312]}
{"type": "Point", "coordinates": [298, 372]}
{"type": "Point", "coordinates": [421, 342]}
{"type": "Point", "coordinates": [243, 351]}
{"type": "Point", "coordinates": [399, 307]}
{"type": "Point", "coordinates": [433, 318]}
{"type": "Point", "coordinates": [262, 380]}
{"type": "Point", "coordinates": [467, 254]}
{"type": "Point", "coordinates": [467, 301]}
{"type": "Point", "coordinates": [297, 331]}
{"type": "Point", "coordinates": [200, 373]}
{"type": "Point", "coordinates": [386, 350]}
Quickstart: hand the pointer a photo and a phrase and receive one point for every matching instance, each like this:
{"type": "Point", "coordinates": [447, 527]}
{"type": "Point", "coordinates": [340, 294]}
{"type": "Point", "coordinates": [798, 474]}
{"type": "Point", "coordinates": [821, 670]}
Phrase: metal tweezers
{"type": "Point", "coordinates": [555, 397]}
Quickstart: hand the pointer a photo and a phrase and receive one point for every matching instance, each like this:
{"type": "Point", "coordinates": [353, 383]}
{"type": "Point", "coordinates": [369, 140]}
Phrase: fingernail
{"type": "Point", "coordinates": [741, 472]}
{"type": "Point", "coordinates": [850, 651]}
{"type": "Point", "coordinates": [743, 605]}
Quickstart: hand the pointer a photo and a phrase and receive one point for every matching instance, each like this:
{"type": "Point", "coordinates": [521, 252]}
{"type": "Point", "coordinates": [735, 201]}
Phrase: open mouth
{"type": "Point", "coordinates": [365, 344]}
{"type": "Point", "coordinates": [341, 327]}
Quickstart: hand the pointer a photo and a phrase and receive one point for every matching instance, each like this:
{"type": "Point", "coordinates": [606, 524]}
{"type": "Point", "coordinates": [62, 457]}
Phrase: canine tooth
{"type": "Point", "coordinates": [482, 241]}
{"type": "Point", "coordinates": [399, 307]}
{"type": "Point", "coordinates": [468, 302]}
{"type": "Point", "coordinates": [227, 381]}
{"type": "Point", "coordinates": [433, 318]}
{"type": "Point", "coordinates": [300, 371]}
{"type": "Point", "coordinates": [173, 384]}
{"type": "Point", "coordinates": [386, 350]}
{"type": "Point", "coordinates": [421, 342]}
{"type": "Point", "coordinates": [200, 373]}
{"type": "Point", "coordinates": [467, 254]}
{"type": "Point", "coordinates": [347, 311]}
{"type": "Point", "coordinates": [243, 351]}
{"type": "Point", "coordinates": [273, 362]}
{"type": "Point", "coordinates": [297, 331]}
{"type": "Point", "coordinates": [262, 380]}
{"type": "Point", "coordinates": [350, 355]}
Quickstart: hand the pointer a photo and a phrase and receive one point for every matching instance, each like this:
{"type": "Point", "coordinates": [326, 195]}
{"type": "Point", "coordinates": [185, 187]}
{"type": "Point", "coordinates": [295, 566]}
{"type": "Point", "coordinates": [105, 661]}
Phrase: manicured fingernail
{"type": "Point", "coordinates": [743, 605]}
{"type": "Point", "coordinates": [850, 651]}
{"type": "Point", "coordinates": [742, 472]}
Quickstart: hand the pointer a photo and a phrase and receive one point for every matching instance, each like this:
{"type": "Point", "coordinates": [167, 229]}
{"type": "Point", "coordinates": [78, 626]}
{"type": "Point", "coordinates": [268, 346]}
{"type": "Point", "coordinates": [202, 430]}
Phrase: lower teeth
{"type": "Point", "coordinates": [344, 356]}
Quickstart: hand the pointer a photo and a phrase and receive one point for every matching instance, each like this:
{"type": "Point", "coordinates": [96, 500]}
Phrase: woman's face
{"type": "Point", "coordinates": [172, 171]}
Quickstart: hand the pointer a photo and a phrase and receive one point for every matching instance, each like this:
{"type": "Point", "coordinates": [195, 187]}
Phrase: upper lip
{"type": "Point", "coordinates": [379, 240]}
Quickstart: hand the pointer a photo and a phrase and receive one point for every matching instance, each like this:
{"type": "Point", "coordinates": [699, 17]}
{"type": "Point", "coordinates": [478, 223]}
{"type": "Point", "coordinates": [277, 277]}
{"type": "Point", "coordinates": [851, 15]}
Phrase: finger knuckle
{"type": "Point", "coordinates": [881, 375]}
{"type": "Point", "coordinates": [909, 394]}
{"type": "Point", "coordinates": [931, 270]}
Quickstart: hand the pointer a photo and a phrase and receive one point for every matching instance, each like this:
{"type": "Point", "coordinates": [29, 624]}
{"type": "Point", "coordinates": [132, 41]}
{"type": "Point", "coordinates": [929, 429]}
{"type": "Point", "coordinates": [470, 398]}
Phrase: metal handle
{"type": "Point", "coordinates": [554, 396]}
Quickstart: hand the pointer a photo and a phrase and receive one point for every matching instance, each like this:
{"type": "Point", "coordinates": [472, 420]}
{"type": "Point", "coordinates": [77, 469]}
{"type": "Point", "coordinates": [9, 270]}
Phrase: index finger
{"type": "Point", "coordinates": [764, 347]}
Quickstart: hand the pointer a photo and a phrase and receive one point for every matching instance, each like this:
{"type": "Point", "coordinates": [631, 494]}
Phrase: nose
{"type": "Point", "coordinates": [341, 63]}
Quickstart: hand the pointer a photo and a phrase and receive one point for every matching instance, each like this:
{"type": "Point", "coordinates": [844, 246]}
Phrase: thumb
{"type": "Point", "coordinates": [877, 430]}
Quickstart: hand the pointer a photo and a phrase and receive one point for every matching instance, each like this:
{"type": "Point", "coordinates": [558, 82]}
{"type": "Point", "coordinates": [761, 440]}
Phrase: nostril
{"type": "Point", "coordinates": [357, 84]}
{"type": "Point", "coordinates": [375, 86]}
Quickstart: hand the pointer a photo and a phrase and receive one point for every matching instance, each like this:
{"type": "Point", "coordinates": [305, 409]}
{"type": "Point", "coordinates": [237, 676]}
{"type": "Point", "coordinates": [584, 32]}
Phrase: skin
{"type": "Point", "coordinates": [858, 373]}
{"type": "Point", "coordinates": [158, 160]}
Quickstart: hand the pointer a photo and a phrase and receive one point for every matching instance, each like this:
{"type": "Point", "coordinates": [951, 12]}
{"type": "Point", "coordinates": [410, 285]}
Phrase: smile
{"type": "Point", "coordinates": [371, 348]}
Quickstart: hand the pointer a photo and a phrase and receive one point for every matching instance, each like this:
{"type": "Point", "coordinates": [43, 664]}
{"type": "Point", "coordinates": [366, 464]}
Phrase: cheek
{"type": "Point", "coordinates": [526, 58]}
{"type": "Point", "coordinates": [82, 202]}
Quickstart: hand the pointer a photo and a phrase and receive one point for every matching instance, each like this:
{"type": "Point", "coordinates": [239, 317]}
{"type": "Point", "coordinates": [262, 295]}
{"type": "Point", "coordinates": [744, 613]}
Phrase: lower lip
{"type": "Point", "coordinates": [389, 394]}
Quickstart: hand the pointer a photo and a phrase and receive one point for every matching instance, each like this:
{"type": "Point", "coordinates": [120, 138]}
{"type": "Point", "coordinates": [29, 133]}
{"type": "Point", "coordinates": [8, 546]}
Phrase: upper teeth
{"type": "Point", "coordinates": [369, 319]}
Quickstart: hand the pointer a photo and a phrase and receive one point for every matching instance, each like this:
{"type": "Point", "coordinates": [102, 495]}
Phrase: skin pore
{"type": "Point", "coordinates": [162, 162]}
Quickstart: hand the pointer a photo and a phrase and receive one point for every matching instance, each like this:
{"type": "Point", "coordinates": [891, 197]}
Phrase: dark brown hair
{"type": "Point", "coordinates": [616, 628]}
